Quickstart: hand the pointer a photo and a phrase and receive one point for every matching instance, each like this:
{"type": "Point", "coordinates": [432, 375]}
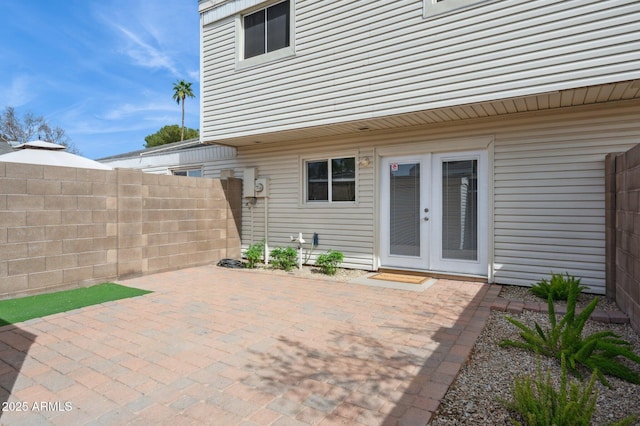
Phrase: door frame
{"type": "Point", "coordinates": [431, 239]}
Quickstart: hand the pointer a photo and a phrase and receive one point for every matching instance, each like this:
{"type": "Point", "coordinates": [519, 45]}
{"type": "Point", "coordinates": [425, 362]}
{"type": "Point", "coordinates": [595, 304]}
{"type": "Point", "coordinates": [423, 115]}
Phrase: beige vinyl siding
{"type": "Point", "coordinates": [347, 226]}
{"type": "Point", "coordinates": [548, 188]}
{"type": "Point", "coordinates": [361, 60]}
{"type": "Point", "coordinates": [549, 198]}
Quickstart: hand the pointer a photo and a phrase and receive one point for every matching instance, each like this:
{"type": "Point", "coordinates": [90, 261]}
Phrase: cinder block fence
{"type": "Point", "coordinates": [622, 188]}
{"type": "Point", "coordinates": [65, 227]}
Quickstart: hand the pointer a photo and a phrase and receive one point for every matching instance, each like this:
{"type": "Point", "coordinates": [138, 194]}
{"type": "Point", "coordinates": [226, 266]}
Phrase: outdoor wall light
{"type": "Point", "coordinates": [364, 162]}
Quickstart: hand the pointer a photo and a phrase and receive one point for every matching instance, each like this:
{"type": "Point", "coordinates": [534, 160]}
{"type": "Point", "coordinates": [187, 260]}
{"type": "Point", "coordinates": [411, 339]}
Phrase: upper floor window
{"type": "Point", "coordinates": [436, 7]}
{"type": "Point", "coordinates": [267, 30]}
{"type": "Point", "coordinates": [331, 180]}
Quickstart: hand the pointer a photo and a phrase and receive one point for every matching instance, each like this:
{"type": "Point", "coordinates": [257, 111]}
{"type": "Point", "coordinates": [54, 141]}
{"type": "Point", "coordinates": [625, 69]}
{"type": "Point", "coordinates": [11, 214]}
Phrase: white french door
{"type": "Point", "coordinates": [434, 212]}
{"type": "Point", "coordinates": [404, 212]}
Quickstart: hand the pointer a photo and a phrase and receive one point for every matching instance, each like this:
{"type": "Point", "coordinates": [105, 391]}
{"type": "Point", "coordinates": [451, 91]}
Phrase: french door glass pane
{"type": "Point", "coordinates": [254, 26]}
{"type": "Point", "coordinates": [278, 26]}
{"type": "Point", "coordinates": [460, 210]}
{"type": "Point", "coordinates": [404, 214]}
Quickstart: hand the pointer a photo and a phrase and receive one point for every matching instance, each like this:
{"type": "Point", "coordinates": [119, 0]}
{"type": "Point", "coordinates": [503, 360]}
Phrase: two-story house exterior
{"type": "Point", "coordinates": [461, 137]}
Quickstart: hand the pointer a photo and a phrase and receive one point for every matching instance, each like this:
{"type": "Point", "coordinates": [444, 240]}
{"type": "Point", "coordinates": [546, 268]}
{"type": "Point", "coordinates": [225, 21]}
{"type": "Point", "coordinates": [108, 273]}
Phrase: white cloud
{"type": "Point", "coordinates": [162, 36]}
{"type": "Point", "coordinates": [194, 75]}
{"type": "Point", "coordinates": [127, 110]}
{"type": "Point", "coordinates": [146, 55]}
{"type": "Point", "coordinates": [19, 92]}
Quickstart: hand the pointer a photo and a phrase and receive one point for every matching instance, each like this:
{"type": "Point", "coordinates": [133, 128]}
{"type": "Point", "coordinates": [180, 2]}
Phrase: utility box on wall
{"type": "Point", "coordinates": [248, 182]}
{"type": "Point", "coordinates": [253, 186]}
{"type": "Point", "coordinates": [261, 187]}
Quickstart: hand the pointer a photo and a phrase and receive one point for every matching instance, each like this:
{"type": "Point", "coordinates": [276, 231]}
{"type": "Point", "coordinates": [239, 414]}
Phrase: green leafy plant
{"type": "Point", "coordinates": [328, 262]}
{"type": "Point", "coordinates": [538, 403]}
{"type": "Point", "coordinates": [597, 352]}
{"type": "Point", "coordinates": [557, 287]}
{"type": "Point", "coordinates": [254, 254]}
{"type": "Point", "coordinates": [284, 258]}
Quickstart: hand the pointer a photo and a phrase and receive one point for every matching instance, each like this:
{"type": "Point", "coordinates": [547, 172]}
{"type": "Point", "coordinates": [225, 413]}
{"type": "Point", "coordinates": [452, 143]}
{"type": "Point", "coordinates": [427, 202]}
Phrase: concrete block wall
{"type": "Point", "coordinates": [57, 227]}
{"type": "Point", "coordinates": [170, 222]}
{"type": "Point", "coordinates": [64, 227]}
{"type": "Point", "coordinates": [623, 231]}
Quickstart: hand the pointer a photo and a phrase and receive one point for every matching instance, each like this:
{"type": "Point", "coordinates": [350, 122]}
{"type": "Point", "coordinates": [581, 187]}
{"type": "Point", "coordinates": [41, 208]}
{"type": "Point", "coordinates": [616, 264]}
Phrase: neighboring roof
{"type": "Point", "coordinates": [174, 146]}
{"type": "Point", "coordinates": [41, 145]}
{"type": "Point", "coordinates": [50, 154]}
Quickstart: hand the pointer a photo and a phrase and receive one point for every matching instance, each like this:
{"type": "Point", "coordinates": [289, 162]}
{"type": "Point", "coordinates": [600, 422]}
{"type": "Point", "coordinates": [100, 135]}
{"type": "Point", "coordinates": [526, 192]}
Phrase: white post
{"type": "Point", "coordinates": [266, 231]}
{"type": "Point", "coordinates": [300, 240]}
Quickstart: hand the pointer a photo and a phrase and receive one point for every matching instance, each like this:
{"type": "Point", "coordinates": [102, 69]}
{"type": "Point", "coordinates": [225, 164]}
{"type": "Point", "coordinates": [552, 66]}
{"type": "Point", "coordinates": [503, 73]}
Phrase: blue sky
{"type": "Point", "coordinates": [101, 70]}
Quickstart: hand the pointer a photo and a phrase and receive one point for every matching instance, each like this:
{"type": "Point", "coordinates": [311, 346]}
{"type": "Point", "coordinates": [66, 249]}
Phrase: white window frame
{"type": "Point", "coordinates": [328, 201]}
{"type": "Point", "coordinates": [435, 7]}
{"type": "Point", "coordinates": [179, 171]}
{"type": "Point", "coordinates": [275, 55]}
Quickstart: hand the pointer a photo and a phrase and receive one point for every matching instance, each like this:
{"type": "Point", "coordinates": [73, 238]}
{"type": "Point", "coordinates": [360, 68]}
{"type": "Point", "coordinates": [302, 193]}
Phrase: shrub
{"type": "Point", "coordinates": [284, 258]}
{"type": "Point", "coordinates": [597, 352]}
{"type": "Point", "coordinates": [254, 254]}
{"type": "Point", "coordinates": [328, 262]}
{"type": "Point", "coordinates": [557, 288]}
{"type": "Point", "coordinates": [537, 402]}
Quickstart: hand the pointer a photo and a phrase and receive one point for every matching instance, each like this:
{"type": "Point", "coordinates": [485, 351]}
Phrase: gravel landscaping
{"type": "Point", "coordinates": [490, 372]}
{"type": "Point", "coordinates": [342, 274]}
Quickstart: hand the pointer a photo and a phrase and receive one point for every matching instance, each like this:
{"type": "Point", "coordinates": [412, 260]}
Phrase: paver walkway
{"type": "Point", "coordinates": [231, 347]}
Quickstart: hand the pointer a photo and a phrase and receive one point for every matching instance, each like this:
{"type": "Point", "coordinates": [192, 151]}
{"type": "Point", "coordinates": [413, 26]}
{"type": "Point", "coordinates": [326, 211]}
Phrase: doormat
{"type": "Point", "coordinates": [399, 278]}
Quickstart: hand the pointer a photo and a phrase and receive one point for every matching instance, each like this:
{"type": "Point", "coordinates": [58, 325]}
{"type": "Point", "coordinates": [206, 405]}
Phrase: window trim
{"type": "Point", "coordinates": [285, 52]}
{"type": "Point", "coordinates": [186, 170]}
{"type": "Point", "coordinates": [304, 181]}
{"type": "Point", "coordinates": [434, 7]}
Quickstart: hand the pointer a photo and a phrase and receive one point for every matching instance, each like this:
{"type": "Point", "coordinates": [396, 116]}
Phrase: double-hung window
{"type": "Point", "coordinates": [331, 180]}
{"type": "Point", "coordinates": [267, 30]}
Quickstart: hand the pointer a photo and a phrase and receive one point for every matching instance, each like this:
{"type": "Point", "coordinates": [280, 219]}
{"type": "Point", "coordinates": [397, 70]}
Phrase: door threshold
{"type": "Point", "coordinates": [436, 275]}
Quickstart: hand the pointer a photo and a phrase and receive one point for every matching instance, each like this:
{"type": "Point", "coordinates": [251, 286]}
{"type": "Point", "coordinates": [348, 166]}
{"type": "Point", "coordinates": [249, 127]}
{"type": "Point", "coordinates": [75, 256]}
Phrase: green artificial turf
{"type": "Point", "coordinates": [26, 308]}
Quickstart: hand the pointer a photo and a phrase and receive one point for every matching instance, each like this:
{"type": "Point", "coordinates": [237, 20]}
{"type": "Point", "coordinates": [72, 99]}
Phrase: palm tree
{"type": "Point", "coordinates": [182, 89]}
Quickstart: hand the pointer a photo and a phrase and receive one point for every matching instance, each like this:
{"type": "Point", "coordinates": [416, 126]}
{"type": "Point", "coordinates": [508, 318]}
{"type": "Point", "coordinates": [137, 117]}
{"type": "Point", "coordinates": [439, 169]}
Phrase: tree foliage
{"type": "Point", "coordinates": [182, 90]}
{"type": "Point", "coordinates": [169, 134]}
{"type": "Point", "coordinates": [30, 127]}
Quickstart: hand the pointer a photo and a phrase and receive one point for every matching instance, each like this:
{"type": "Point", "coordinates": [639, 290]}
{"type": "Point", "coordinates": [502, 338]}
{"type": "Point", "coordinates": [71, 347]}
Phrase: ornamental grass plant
{"type": "Point", "coordinates": [536, 401]}
{"type": "Point", "coordinates": [600, 352]}
{"type": "Point", "coordinates": [558, 287]}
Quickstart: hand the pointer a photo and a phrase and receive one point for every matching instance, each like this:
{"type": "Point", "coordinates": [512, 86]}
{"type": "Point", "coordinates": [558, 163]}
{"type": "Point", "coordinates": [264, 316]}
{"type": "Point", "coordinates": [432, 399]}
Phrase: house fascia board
{"type": "Point", "coordinates": [212, 10]}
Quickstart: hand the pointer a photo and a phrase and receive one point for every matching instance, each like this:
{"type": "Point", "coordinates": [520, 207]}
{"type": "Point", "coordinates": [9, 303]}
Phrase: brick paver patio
{"type": "Point", "coordinates": [231, 347]}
